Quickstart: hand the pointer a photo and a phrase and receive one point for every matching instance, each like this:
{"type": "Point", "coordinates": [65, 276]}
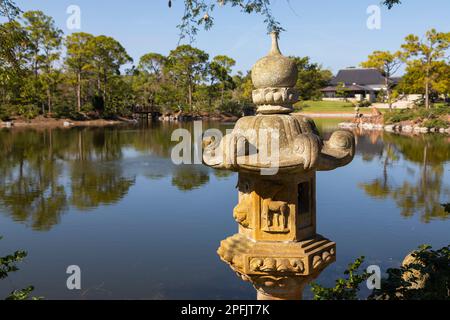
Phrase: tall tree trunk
{"type": "Point", "coordinates": [388, 92]}
{"type": "Point", "coordinates": [79, 92]}
{"type": "Point", "coordinates": [190, 96]}
{"type": "Point", "coordinates": [427, 83]}
{"type": "Point", "coordinates": [105, 82]}
{"type": "Point", "coordinates": [49, 100]}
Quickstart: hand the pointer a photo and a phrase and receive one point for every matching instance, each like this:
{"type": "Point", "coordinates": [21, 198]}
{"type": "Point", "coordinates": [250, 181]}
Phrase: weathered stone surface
{"type": "Point", "coordinates": [275, 96]}
{"type": "Point", "coordinates": [277, 248]}
{"type": "Point", "coordinates": [348, 125]}
{"type": "Point", "coordinates": [274, 70]}
{"type": "Point", "coordinates": [415, 277]}
{"type": "Point", "coordinates": [407, 128]}
{"type": "Point", "coordinates": [300, 146]}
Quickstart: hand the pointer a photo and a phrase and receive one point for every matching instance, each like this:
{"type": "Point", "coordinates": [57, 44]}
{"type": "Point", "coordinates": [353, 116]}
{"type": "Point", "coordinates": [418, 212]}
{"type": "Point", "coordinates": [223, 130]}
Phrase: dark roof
{"type": "Point", "coordinates": [352, 87]}
{"type": "Point", "coordinates": [358, 76]}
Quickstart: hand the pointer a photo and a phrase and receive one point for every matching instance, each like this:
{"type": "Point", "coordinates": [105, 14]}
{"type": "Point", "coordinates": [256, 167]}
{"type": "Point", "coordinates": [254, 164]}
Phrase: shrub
{"type": "Point", "coordinates": [426, 276]}
{"type": "Point", "coordinates": [28, 111]}
{"type": "Point", "coordinates": [345, 289]}
{"type": "Point", "coordinates": [233, 107]}
{"type": "Point", "coordinates": [8, 264]}
{"type": "Point", "coordinates": [418, 114]}
{"type": "Point", "coordinates": [395, 116]}
{"type": "Point", "coordinates": [6, 112]}
{"type": "Point", "coordinates": [364, 104]}
{"type": "Point", "coordinates": [436, 123]}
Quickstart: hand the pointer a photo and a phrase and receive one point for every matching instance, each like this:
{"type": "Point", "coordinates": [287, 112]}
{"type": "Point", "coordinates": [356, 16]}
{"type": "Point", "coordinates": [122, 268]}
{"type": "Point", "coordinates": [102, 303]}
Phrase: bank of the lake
{"type": "Point", "coordinates": [46, 122]}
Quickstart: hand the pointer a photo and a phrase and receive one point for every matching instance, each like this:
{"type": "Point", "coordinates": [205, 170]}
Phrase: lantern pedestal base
{"type": "Point", "coordinates": [278, 270]}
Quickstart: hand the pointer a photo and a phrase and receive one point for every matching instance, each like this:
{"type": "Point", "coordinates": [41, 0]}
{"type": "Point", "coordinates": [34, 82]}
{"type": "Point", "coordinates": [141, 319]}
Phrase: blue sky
{"type": "Point", "coordinates": [331, 32]}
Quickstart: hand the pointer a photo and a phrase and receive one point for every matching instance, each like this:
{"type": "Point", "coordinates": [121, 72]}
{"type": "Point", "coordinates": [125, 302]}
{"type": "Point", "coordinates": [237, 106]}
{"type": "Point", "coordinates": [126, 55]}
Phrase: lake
{"type": "Point", "coordinates": [111, 201]}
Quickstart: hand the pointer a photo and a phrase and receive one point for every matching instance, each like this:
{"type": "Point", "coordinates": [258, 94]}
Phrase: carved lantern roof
{"type": "Point", "coordinates": [274, 134]}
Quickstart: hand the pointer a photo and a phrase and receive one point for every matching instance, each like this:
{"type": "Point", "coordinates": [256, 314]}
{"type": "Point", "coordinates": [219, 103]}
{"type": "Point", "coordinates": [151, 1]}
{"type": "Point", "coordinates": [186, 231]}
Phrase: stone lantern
{"type": "Point", "coordinates": [277, 248]}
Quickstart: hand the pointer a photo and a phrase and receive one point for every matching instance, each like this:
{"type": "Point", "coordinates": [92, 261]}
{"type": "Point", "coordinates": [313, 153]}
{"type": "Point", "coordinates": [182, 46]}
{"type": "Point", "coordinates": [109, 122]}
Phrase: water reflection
{"type": "Point", "coordinates": [422, 188]}
{"type": "Point", "coordinates": [44, 173]}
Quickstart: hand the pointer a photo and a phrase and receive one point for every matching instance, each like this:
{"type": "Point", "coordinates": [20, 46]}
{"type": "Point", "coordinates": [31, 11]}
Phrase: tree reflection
{"type": "Point", "coordinates": [43, 173]}
{"type": "Point", "coordinates": [30, 188]}
{"type": "Point", "coordinates": [421, 193]}
{"type": "Point", "coordinates": [187, 178]}
{"type": "Point", "coordinates": [35, 163]}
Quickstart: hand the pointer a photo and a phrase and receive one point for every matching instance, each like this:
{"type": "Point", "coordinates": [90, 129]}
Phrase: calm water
{"type": "Point", "coordinates": [111, 201]}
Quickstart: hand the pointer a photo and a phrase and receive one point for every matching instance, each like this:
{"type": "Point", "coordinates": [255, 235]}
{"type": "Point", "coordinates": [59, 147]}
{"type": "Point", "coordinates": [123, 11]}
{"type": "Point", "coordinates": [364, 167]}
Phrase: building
{"type": "Point", "coordinates": [356, 83]}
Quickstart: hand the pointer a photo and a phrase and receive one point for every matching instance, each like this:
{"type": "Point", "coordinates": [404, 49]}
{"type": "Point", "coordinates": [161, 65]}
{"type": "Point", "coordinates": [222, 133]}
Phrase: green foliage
{"type": "Point", "coordinates": [435, 123]}
{"type": "Point", "coordinates": [9, 9]}
{"type": "Point", "coordinates": [391, 3]}
{"type": "Point", "coordinates": [8, 264]}
{"type": "Point", "coordinates": [22, 294]}
{"type": "Point", "coordinates": [364, 104]}
{"type": "Point", "coordinates": [427, 117]}
{"type": "Point", "coordinates": [346, 288]}
{"type": "Point", "coordinates": [341, 90]}
{"type": "Point", "coordinates": [6, 111]}
{"type": "Point", "coordinates": [27, 111]}
{"type": "Point", "coordinates": [188, 67]}
{"type": "Point", "coordinates": [427, 65]}
{"type": "Point", "coordinates": [198, 13]}
{"type": "Point", "coordinates": [426, 276]}
{"type": "Point", "coordinates": [311, 78]}
{"type": "Point", "coordinates": [232, 107]}
{"type": "Point", "coordinates": [387, 64]}
{"type": "Point", "coordinates": [90, 83]}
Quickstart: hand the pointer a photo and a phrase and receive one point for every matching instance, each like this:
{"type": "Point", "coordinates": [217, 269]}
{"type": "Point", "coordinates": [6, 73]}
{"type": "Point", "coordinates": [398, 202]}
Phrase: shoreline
{"type": "Point", "coordinates": [61, 123]}
{"type": "Point", "coordinates": [393, 128]}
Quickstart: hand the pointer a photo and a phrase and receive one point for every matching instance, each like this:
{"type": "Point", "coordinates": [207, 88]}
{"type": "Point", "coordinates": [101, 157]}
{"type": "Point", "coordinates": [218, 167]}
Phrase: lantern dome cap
{"type": "Point", "coordinates": [274, 70]}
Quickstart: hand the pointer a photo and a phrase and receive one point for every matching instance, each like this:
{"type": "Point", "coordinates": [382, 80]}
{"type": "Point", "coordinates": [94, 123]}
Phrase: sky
{"type": "Point", "coordinates": [333, 33]}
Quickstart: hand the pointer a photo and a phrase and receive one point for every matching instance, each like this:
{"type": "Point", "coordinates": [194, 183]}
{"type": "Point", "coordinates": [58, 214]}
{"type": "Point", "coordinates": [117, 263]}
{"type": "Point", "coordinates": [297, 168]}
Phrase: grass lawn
{"type": "Point", "coordinates": [329, 107]}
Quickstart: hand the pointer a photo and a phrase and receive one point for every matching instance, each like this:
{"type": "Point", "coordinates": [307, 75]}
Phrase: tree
{"type": "Point", "coordinates": [9, 9]}
{"type": "Point", "coordinates": [341, 91]}
{"type": "Point", "coordinates": [108, 56]}
{"type": "Point", "coordinates": [78, 60]}
{"type": "Point", "coordinates": [187, 66]}
{"type": "Point", "coordinates": [387, 64]}
{"type": "Point", "coordinates": [220, 70]}
{"type": "Point", "coordinates": [153, 64]}
{"type": "Point", "coordinates": [429, 53]}
{"type": "Point", "coordinates": [199, 13]}
{"type": "Point", "coordinates": [311, 78]}
{"type": "Point", "coordinates": [14, 54]}
{"type": "Point", "coordinates": [150, 77]}
{"type": "Point", "coordinates": [46, 40]}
